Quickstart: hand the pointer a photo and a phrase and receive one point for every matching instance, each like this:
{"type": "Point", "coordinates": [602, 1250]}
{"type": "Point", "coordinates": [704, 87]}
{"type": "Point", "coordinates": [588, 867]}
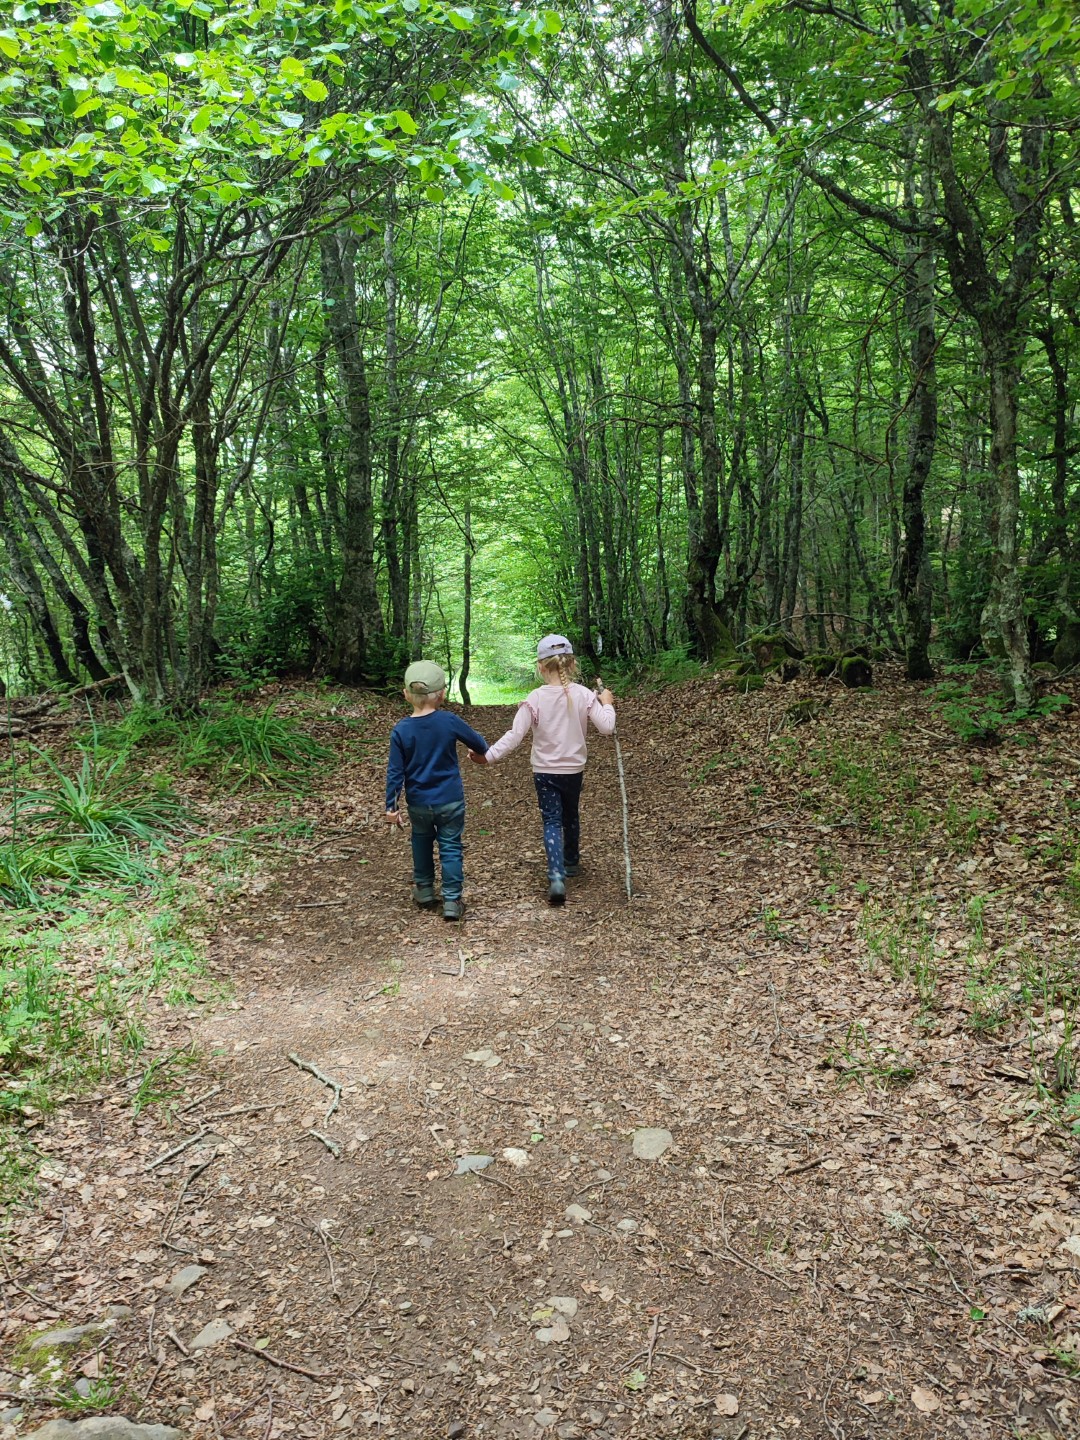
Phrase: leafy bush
{"type": "Point", "coordinates": [979, 718]}
{"type": "Point", "coordinates": [666, 667]}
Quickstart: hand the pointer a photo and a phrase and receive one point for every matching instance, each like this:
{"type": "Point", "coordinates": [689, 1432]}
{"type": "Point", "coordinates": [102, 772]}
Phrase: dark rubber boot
{"type": "Point", "coordinates": [556, 890]}
{"type": "Point", "coordinates": [453, 909]}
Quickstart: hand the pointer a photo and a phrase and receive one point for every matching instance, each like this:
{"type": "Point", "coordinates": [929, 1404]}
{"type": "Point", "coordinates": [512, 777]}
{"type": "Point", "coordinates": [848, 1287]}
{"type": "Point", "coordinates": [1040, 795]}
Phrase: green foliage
{"type": "Point", "coordinates": [102, 802]}
{"type": "Point", "coordinates": [137, 103]}
{"type": "Point", "coordinates": [53, 1033]}
{"type": "Point", "coordinates": [978, 717]}
{"type": "Point", "coordinates": [860, 1058]}
{"type": "Point", "coordinates": [668, 667]}
{"type": "Point", "coordinates": [228, 740]}
{"type": "Point", "coordinates": [247, 747]}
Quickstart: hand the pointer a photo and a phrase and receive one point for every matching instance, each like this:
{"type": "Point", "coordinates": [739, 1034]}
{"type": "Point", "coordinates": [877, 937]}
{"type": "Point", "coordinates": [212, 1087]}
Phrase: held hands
{"type": "Point", "coordinates": [477, 758]}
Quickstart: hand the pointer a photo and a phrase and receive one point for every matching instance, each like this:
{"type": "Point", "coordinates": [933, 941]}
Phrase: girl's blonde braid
{"type": "Point", "coordinates": [565, 664]}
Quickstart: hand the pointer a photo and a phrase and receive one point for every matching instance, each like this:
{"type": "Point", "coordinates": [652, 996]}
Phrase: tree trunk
{"type": "Point", "coordinates": [466, 623]}
{"type": "Point", "coordinates": [915, 581]}
{"type": "Point", "coordinates": [358, 622]}
{"type": "Point", "coordinates": [1003, 622]}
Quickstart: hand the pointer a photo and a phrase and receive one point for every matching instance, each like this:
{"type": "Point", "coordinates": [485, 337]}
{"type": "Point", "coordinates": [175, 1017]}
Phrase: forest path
{"type": "Point", "coordinates": [798, 1262]}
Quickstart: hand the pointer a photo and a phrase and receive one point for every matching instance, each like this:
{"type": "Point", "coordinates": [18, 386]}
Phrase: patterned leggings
{"type": "Point", "coordinates": [558, 797]}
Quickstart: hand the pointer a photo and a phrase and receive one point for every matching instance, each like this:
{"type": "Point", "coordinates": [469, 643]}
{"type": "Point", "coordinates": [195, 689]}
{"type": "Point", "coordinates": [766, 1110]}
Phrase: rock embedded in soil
{"type": "Point", "coordinates": [68, 1338]}
{"type": "Point", "coordinates": [103, 1427]}
{"type": "Point", "coordinates": [184, 1279]}
{"type": "Point", "coordinates": [650, 1144]}
{"type": "Point", "coordinates": [578, 1214]}
{"type": "Point", "coordinates": [211, 1334]}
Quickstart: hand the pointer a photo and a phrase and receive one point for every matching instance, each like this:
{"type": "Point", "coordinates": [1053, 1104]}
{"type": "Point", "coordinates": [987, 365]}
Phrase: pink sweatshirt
{"type": "Point", "coordinates": [558, 746]}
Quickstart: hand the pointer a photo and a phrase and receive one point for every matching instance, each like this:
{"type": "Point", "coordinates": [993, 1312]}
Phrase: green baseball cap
{"type": "Point", "coordinates": [424, 677]}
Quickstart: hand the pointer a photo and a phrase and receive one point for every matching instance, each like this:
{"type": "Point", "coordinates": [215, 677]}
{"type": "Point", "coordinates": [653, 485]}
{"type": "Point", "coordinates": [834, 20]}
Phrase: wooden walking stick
{"type": "Point", "coordinates": [625, 807]}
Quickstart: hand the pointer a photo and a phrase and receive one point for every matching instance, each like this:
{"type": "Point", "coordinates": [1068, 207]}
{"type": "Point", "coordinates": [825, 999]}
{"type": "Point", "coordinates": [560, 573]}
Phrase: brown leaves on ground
{"type": "Point", "coordinates": [845, 986]}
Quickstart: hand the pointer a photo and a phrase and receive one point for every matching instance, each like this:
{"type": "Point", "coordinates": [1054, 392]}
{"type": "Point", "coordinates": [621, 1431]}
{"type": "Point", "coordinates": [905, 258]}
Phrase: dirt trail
{"type": "Point", "coordinates": [802, 1260]}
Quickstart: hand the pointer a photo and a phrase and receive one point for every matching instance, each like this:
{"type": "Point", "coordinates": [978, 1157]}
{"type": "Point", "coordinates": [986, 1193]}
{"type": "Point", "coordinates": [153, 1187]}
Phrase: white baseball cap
{"type": "Point", "coordinates": [552, 645]}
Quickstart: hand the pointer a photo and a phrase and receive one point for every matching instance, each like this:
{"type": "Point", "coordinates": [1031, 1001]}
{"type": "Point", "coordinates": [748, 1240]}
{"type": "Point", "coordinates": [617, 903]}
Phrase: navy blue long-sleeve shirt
{"type": "Point", "coordinates": [423, 758]}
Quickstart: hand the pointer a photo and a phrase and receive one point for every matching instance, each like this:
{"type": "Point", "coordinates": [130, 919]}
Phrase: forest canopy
{"type": "Point", "coordinates": [332, 333]}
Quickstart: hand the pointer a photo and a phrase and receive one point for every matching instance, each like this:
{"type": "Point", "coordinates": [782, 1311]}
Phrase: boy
{"type": "Point", "coordinates": [423, 758]}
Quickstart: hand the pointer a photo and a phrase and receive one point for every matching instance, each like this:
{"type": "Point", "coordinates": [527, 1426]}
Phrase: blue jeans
{"type": "Point", "coordinates": [559, 797]}
{"type": "Point", "coordinates": [444, 823]}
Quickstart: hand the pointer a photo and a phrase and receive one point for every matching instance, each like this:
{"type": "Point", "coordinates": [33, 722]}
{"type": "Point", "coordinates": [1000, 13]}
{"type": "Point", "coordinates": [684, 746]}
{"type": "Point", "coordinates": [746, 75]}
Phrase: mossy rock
{"type": "Point", "coordinates": [771, 647]}
{"type": "Point", "coordinates": [746, 683]}
{"type": "Point", "coordinates": [1044, 668]}
{"type": "Point", "coordinates": [1067, 649]}
{"type": "Point", "coordinates": [856, 672]}
{"type": "Point", "coordinates": [45, 1353]}
{"type": "Point", "coordinates": [823, 665]}
{"type": "Point", "coordinates": [790, 670]}
{"type": "Point", "coordinates": [803, 711]}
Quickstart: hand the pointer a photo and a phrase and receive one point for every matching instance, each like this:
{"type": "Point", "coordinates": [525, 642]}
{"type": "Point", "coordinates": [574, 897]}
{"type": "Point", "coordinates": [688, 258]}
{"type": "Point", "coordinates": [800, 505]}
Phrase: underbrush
{"type": "Point", "coordinates": [105, 882]}
{"type": "Point", "coordinates": [231, 745]}
{"type": "Point", "coordinates": [657, 672]}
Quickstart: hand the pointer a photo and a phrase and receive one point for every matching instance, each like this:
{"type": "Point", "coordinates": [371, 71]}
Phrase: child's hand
{"type": "Point", "coordinates": [606, 697]}
{"type": "Point", "coordinates": [393, 817]}
{"type": "Point", "coordinates": [477, 758]}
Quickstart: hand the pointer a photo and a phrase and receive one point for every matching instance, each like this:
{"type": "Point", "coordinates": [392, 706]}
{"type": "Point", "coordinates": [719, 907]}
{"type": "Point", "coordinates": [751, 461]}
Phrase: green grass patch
{"type": "Point", "coordinates": [232, 744]}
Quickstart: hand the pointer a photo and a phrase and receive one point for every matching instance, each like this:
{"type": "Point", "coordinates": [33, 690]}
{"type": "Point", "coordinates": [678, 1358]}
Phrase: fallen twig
{"type": "Point", "coordinates": [331, 1145]}
{"type": "Point", "coordinates": [317, 904]}
{"type": "Point", "coordinates": [808, 1165]}
{"type": "Point", "coordinates": [653, 1335]}
{"type": "Point", "coordinates": [209, 1095]}
{"type": "Point", "coordinates": [329, 1260]}
{"type": "Point", "coordinates": [439, 1025]}
{"type": "Point", "coordinates": [176, 1150]}
{"type": "Point", "coordinates": [494, 1180]}
{"type": "Point", "coordinates": [323, 1079]}
{"type": "Point", "coordinates": [283, 1364]}
{"type": "Point", "coordinates": [239, 1110]}
{"type": "Point", "coordinates": [367, 1294]}
{"type": "Point", "coordinates": [192, 1175]}
{"type": "Point", "coordinates": [172, 1335]}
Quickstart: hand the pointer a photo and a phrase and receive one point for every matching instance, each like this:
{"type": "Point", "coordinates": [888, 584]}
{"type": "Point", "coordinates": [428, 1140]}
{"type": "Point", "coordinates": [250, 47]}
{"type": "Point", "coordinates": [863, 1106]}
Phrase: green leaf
{"type": "Point", "coordinates": [9, 45]}
{"type": "Point", "coordinates": [404, 121]}
{"type": "Point", "coordinates": [314, 90]}
{"type": "Point", "coordinates": [508, 80]}
{"type": "Point", "coordinates": [32, 227]}
{"type": "Point", "coordinates": [290, 119]}
{"type": "Point", "coordinates": [185, 60]}
{"type": "Point", "coordinates": [153, 184]}
{"type": "Point", "coordinates": [115, 122]}
{"type": "Point", "coordinates": [435, 193]}
{"type": "Point", "coordinates": [461, 17]}
{"type": "Point", "coordinates": [552, 22]}
{"type": "Point", "coordinates": [293, 68]}
{"type": "Point", "coordinates": [202, 119]}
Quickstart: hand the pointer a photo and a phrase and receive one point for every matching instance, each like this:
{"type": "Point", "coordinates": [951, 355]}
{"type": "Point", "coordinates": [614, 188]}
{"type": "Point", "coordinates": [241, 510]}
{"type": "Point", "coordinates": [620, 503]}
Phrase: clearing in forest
{"type": "Point", "coordinates": [782, 1147]}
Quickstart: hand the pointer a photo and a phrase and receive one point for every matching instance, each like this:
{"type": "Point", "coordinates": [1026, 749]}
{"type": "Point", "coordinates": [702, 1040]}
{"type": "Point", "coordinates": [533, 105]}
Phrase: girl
{"type": "Point", "coordinates": [558, 713]}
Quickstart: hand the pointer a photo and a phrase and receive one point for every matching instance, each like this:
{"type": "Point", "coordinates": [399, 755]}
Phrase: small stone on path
{"type": "Point", "coordinates": [578, 1214]}
{"type": "Point", "coordinates": [470, 1164]}
{"type": "Point", "coordinates": [211, 1334]}
{"type": "Point", "coordinates": [650, 1144]}
{"type": "Point", "coordinates": [73, 1335]}
{"type": "Point", "coordinates": [103, 1427]}
{"type": "Point", "coordinates": [184, 1279]}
